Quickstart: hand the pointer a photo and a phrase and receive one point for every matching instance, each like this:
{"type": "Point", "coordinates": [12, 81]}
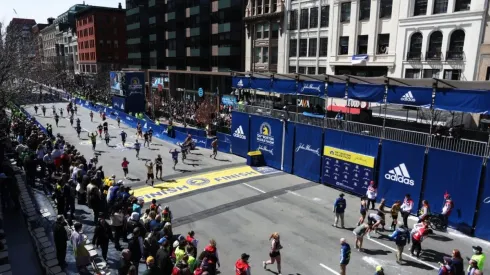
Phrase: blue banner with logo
{"type": "Point", "coordinates": [240, 82]}
{"type": "Point", "coordinates": [308, 149]}
{"type": "Point", "coordinates": [135, 92]}
{"type": "Point", "coordinates": [346, 170]}
{"type": "Point", "coordinates": [313, 88]}
{"type": "Point", "coordinates": [482, 228]}
{"type": "Point", "coordinates": [366, 92]}
{"type": "Point", "coordinates": [119, 103]}
{"type": "Point", "coordinates": [266, 136]}
{"type": "Point", "coordinates": [288, 161]}
{"type": "Point", "coordinates": [284, 86]}
{"type": "Point", "coordinates": [400, 173]}
{"type": "Point", "coordinates": [468, 101]}
{"type": "Point", "coordinates": [457, 174]}
{"type": "Point", "coordinates": [261, 84]}
{"type": "Point", "coordinates": [336, 89]}
{"type": "Point", "coordinates": [240, 134]}
{"type": "Point", "coordinates": [415, 96]}
{"type": "Point", "coordinates": [223, 137]}
{"type": "Point", "coordinates": [356, 143]}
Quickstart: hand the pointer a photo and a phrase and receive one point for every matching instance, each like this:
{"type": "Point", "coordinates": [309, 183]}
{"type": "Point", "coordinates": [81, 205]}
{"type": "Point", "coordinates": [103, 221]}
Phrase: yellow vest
{"type": "Point", "coordinates": [480, 261]}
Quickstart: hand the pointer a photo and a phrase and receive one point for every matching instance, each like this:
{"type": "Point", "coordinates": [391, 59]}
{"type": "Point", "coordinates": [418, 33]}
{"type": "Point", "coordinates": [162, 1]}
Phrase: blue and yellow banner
{"type": "Point", "coordinates": [349, 156]}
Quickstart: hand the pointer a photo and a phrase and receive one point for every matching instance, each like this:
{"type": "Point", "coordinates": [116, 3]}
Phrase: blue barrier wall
{"type": "Point", "coordinates": [400, 174]}
{"type": "Point", "coordinates": [356, 143]}
{"type": "Point", "coordinates": [266, 136]}
{"type": "Point", "coordinates": [240, 131]}
{"type": "Point", "coordinates": [289, 147]}
{"type": "Point", "coordinates": [457, 174]}
{"type": "Point", "coordinates": [482, 228]}
{"type": "Point", "coordinates": [308, 151]}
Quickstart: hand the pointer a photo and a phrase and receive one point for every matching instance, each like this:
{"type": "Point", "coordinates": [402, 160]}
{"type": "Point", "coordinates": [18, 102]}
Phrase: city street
{"type": "Point", "coordinates": [240, 207]}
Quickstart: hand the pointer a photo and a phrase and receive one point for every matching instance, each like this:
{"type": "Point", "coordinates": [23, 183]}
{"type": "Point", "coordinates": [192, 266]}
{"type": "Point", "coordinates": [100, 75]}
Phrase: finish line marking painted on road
{"type": "Point", "coordinates": [410, 256]}
{"type": "Point", "coordinates": [188, 184]}
{"type": "Point", "coordinates": [329, 269]}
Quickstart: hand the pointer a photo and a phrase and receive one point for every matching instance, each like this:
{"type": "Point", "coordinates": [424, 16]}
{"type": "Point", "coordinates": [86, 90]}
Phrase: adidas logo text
{"type": "Point", "coordinates": [239, 133]}
{"type": "Point", "coordinates": [408, 97]}
{"type": "Point", "coordinates": [400, 174]}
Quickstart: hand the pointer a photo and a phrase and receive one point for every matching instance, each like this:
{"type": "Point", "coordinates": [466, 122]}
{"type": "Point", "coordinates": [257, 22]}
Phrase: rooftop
{"type": "Point", "coordinates": [91, 9]}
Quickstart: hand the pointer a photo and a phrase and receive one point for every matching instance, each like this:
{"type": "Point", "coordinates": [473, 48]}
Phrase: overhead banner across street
{"type": "Point", "coordinates": [347, 170]}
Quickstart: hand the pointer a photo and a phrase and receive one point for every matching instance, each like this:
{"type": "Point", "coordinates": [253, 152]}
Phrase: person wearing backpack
{"type": "Point", "coordinates": [241, 266]}
{"type": "Point", "coordinates": [401, 236]}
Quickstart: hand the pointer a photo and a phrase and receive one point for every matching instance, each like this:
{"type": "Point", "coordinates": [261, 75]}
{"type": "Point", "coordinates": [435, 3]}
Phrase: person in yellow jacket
{"type": "Point", "coordinates": [479, 257]}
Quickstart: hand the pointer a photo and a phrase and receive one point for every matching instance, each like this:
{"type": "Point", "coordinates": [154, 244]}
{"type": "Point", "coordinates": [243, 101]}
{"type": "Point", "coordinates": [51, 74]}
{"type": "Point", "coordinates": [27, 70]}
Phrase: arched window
{"type": "Point", "coordinates": [435, 46]}
{"type": "Point", "coordinates": [456, 45]}
{"type": "Point", "coordinates": [415, 49]}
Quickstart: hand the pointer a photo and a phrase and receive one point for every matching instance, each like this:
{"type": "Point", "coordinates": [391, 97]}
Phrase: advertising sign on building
{"type": "Point", "coordinates": [159, 81]}
{"type": "Point", "coordinates": [347, 170]}
{"type": "Point", "coordinates": [116, 82]}
{"type": "Point", "coordinates": [135, 85]}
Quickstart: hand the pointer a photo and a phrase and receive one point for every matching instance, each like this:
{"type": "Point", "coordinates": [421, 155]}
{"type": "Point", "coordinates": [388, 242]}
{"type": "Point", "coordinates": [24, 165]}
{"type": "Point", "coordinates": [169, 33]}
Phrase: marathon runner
{"type": "Point", "coordinates": [214, 145]}
{"type": "Point", "coordinates": [91, 116]}
{"type": "Point", "coordinates": [159, 163]}
{"type": "Point", "coordinates": [124, 165]}
{"type": "Point", "coordinates": [56, 119]}
{"type": "Point", "coordinates": [71, 119]}
{"type": "Point", "coordinates": [147, 139]}
{"type": "Point", "coordinates": [76, 109]}
{"type": "Point", "coordinates": [93, 138]}
{"type": "Point", "coordinates": [150, 132]}
{"type": "Point", "coordinates": [54, 110]}
{"type": "Point", "coordinates": [107, 138]}
{"type": "Point", "coordinates": [123, 137]}
{"type": "Point", "coordinates": [175, 156]}
{"type": "Point", "coordinates": [118, 121]}
{"type": "Point", "coordinates": [79, 130]}
{"type": "Point", "coordinates": [106, 130]}
{"type": "Point", "coordinates": [35, 108]}
{"type": "Point", "coordinates": [43, 108]}
{"type": "Point", "coordinates": [99, 128]}
{"type": "Point", "coordinates": [61, 112]}
{"type": "Point", "coordinates": [139, 132]}
{"type": "Point", "coordinates": [149, 175]}
{"type": "Point", "coordinates": [137, 147]}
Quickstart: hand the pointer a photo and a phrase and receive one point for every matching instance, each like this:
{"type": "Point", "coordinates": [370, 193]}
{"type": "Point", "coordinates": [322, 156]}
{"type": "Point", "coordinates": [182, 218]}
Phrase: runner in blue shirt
{"type": "Point", "coordinates": [137, 147]}
{"type": "Point", "coordinates": [123, 137]}
{"type": "Point", "coordinates": [175, 156]}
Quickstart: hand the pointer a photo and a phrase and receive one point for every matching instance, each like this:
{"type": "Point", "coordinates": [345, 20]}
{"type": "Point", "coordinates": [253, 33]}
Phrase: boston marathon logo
{"type": "Point", "coordinates": [265, 137]}
{"type": "Point", "coordinates": [198, 181]}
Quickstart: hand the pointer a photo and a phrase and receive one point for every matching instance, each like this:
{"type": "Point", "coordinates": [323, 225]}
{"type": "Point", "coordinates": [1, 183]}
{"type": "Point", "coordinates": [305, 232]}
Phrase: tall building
{"type": "Point", "coordinates": [188, 35]}
{"type": "Point", "coordinates": [265, 36]}
{"type": "Point", "coordinates": [36, 32]}
{"type": "Point", "coordinates": [101, 39]}
{"type": "Point", "coordinates": [19, 38]}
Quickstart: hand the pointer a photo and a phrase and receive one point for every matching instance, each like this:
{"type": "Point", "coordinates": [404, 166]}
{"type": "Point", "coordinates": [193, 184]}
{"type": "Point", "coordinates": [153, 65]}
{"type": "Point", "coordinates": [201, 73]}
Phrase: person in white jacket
{"type": "Point", "coordinates": [371, 194]}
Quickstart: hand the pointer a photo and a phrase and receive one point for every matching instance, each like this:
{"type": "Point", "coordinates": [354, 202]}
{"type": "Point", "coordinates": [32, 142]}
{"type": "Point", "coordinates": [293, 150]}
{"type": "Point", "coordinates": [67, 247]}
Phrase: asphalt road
{"type": "Point", "coordinates": [240, 215]}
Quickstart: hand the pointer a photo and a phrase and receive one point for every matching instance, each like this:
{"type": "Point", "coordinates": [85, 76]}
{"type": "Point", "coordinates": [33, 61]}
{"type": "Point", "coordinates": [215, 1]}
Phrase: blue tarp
{"type": "Point", "coordinates": [463, 100]}
{"type": "Point", "coordinates": [482, 228]}
{"type": "Point", "coordinates": [415, 96]}
{"type": "Point", "coordinates": [366, 92]}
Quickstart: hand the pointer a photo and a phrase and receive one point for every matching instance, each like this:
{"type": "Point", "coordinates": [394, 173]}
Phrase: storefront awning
{"type": "Point", "coordinates": [343, 109]}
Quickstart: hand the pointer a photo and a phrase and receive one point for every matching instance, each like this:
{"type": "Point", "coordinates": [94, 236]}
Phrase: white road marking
{"type": "Point", "coordinates": [410, 256]}
{"type": "Point", "coordinates": [329, 269]}
{"type": "Point", "coordinates": [255, 188]}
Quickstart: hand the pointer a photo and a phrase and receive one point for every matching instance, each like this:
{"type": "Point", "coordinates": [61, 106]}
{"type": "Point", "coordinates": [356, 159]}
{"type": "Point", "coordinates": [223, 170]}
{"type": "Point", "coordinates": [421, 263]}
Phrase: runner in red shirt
{"type": "Point", "coordinates": [241, 266]}
{"type": "Point", "coordinates": [124, 165]}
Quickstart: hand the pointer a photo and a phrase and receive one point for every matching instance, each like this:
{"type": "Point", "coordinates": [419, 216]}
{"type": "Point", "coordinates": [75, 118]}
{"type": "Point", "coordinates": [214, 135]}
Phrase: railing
{"type": "Point", "coordinates": [414, 56]}
{"type": "Point", "coordinates": [454, 55]}
{"type": "Point", "coordinates": [465, 146]}
{"type": "Point", "coordinates": [433, 55]}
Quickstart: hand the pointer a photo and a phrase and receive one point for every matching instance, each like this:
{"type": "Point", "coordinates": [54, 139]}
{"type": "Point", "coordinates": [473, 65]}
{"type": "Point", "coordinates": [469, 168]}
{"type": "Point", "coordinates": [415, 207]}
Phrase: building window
{"type": "Point", "coordinates": [431, 73]}
{"type": "Point", "coordinates": [311, 70]}
{"type": "Point", "coordinates": [303, 47]}
{"type": "Point", "coordinates": [312, 47]}
{"type": "Point", "coordinates": [462, 5]}
{"type": "Point", "coordinates": [488, 74]}
{"type": "Point", "coordinates": [322, 70]}
{"type": "Point", "coordinates": [420, 7]}
{"type": "Point", "coordinates": [362, 44]}
{"type": "Point", "coordinates": [364, 9]}
{"type": "Point", "coordinates": [292, 69]}
{"type": "Point", "coordinates": [324, 16]}
{"type": "Point", "coordinates": [303, 20]}
{"type": "Point", "coordinates": [435, 46]}
{"type": "Point", "coordinates": [258, 31]}
{"type": "Point", "coordinates": [412, 73]}
{"type": "Point", "coordinates": [116, 44]}
{"type": "Point", "coordinates": [383, 43]}
{"type": "Point", "coordinates": [274, 55]}
{"type": "Point", "coordinates": [344, 45]}
{"type": "Point", "coordinates": [301, 70]}
{"type": "Point", "coordinates": [172, 44]}
{"type": "Point", "coordinates": [345, 12]}
{"type": "Point", "coordinates": [293, 20]}
{"type": "Point", "coordinates": [101, 43]}
{"type": "Point", "coordinates": [275, 30]}
{"type": "Point", "coordinates": [314, 17]}
{"type": "Point", "coordinates": [266, 30]}
{"type": "Point", "coordinates": [456, 45]}
{"type": "Point", "coordinates": [385, 8]}
{"type": "Point", "coordinates": [323, 46]}
{"type": "Point", "coordinates": [258, 55]}
{"type": "Point", "coordinates": [415, 49]}
{"type": "Point", "coordinates": [452, 74]}
{"type": "Point", "coordinates": [440, 6]}
{"type": "Point", "coordinates": [115, 31]}
{"type": "Point", "coordinates": [265, 55]}
{"type": "Point", "coordinates": [293, 45]}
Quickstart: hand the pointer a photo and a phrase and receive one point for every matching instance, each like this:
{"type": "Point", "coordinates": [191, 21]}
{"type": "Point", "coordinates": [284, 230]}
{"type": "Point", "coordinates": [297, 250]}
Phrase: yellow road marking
{"type": "Point", "coordinates": [206, 180]}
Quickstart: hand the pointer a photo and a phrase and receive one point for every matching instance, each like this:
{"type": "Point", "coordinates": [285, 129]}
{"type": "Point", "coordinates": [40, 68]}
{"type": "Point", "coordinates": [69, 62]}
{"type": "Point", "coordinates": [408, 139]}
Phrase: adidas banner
{"type": "Point", "coordinates": [482, 229]}
{"type": "Point", "coordinates": [266, 136]}
{"type": "Point", "coordinates": [415, 96]}
{"type": "Point", "coordinates": [457, 174]}
{"type": "Point", "coordinates": [401, 171]}
{"type": "Point", "coordinates": [240, 133]}
{"type": "Point", "coordinates": [308, 152]}
{"type": "Point", "coordinates": [347, 170]}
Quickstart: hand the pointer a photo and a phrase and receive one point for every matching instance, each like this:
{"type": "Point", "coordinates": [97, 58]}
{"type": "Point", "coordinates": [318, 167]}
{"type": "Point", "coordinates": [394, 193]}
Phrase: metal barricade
{"type": "Point", "coordinates": [353, 127]}
{"type": "Point", "coordinates": [406, 136]}
{"type": "Point", "coordinates": [465, 146]}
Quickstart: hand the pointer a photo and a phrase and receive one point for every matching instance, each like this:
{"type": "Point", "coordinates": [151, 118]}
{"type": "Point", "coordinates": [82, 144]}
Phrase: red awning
{"type": "Point", "coordinates": [343, 109]}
